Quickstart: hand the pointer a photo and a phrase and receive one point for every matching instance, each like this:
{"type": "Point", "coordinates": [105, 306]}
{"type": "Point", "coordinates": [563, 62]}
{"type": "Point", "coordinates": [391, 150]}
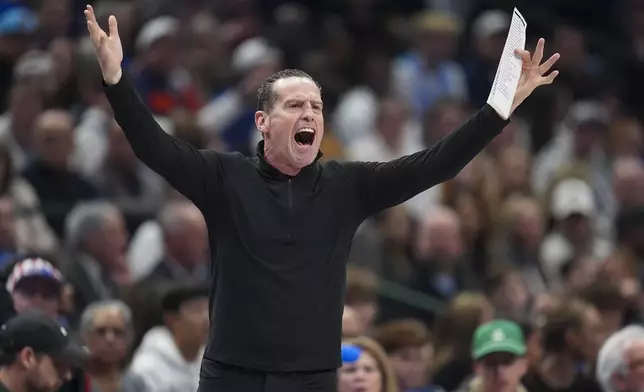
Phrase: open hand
{"type": "Point", "coordinates": [533, 73]}
{"type": "Point", "coordinates": [108, 48]}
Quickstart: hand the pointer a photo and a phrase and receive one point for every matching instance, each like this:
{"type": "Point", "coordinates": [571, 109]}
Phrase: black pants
{"type": "Point", "coordinates": [219, 377]}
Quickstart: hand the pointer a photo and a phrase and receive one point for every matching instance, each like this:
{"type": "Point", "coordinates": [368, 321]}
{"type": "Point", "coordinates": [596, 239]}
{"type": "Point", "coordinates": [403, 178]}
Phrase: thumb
{"type": "Point", "coordinates": [523, 54]}
{"type": "Point", "coordinates": [114, 31]}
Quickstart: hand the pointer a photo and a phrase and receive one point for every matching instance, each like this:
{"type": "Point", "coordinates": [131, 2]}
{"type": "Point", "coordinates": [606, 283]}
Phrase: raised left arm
{"type": "Point", "coordinates": [381, 185]}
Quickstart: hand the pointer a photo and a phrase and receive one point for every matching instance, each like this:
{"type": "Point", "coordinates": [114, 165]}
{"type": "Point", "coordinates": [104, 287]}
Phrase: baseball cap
{"type": "Point", "coordinates": [155, 29]}
{"type": "Point", "coordinates": [253, 52]}
{"type": "Point", "coordinates": [498, 336]}
{"type": "Point", "coordinates": [34, 63]}
{"type": "Point", "coordinates": [33, 267]}
{"type": "Point", "coordinates": [18, 20]}
{"type": "Point", "coordinates": [490, 23]}
{"type": "Point", "coordinates": [587, 112]}
{"type": "Point", "coordinates": [350, 353]}
{"type": "Point", "coordinates": [44, 335]}
{"type": "Point", "coordinates": [572, 196]}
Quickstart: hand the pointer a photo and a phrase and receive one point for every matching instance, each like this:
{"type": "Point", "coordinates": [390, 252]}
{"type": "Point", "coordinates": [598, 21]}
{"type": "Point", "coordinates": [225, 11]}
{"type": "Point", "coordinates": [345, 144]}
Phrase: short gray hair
{"type": "Point", "coordinates": [87, 318]}
{"type": "Point", "coordinates": [611, 356]}
{"type": "Point", "coordinates": [84, 220]}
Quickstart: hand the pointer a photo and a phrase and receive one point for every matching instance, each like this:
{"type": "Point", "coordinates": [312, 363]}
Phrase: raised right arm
{"type": "Point", "coordinates": [192, 172]}
{"type": "Point", "coordinates": [187, 169]}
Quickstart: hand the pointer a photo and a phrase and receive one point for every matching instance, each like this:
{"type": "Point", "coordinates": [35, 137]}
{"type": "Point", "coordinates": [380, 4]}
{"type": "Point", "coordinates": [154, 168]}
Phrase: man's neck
{"type": "Point", "coordinates": [478, 386]}
{"type": "Point", "coordinates": [189, 352]}
{"type": "Point", "coordinates": [558, 370]}
{"type": "Point", "coordinates": [272, 158]}
{"type": "Point", "coordinates": [11, 383]}
{"type": "Point", "coordinates": [104, 371]}
{"type": "Point", "coordinates": [107, 377]}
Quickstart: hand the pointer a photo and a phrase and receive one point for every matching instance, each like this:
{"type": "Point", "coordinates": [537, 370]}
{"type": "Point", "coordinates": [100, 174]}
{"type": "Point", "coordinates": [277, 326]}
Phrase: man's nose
{"type": "Point", "coordinates": [110, 336]}
{"type": "Point", "coordinates": [308, 112]}
{"type": "Point", "coordinates": [308, 116]}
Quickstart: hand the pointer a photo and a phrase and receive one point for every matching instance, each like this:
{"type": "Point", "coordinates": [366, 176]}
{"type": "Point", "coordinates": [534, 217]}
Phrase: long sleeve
{"type": "Point", "coordinates": [191, 171]}
{"type": "Point", "coordinates": [381, 185]}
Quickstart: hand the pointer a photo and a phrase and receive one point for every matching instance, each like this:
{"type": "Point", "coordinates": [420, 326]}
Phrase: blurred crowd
{"type": "Point", "coordinates": [537, 244]}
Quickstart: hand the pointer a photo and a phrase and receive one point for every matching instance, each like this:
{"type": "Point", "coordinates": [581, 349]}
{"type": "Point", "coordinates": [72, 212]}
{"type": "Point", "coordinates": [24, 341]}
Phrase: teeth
{"type": "Point", "coordinates": [310, 130]}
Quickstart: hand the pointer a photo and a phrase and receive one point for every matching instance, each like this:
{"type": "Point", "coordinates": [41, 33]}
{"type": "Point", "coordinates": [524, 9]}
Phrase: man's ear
{"type": "Point", "coordinates": [261, 121]}
{"type": "Point", "coordinates": [28, 358]}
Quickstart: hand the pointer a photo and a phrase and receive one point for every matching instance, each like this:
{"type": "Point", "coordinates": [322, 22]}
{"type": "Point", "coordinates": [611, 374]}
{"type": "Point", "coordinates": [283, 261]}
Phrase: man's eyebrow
{"type": "Point", "coordinates": [313, 101]}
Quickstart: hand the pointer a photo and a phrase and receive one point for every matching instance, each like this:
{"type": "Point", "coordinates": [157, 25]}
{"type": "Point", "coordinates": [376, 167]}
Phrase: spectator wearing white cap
{"type": "Point", "coordinates": [578, 141]}
{"type": "Point", "coordinates": [488, 35]}
{"type": "Point", "coordinates": [162, 83]}
{"type": "Point", "coordinates": [573, 207]}
{"type": "Point", "coordinates": [620, 362]}
{"type": "Point", "coordinates": [230, 116]}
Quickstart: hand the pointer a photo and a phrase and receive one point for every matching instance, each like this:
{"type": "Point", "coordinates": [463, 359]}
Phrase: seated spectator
{"type": "Point", "coordinates": [521, 235]}
{"type": "Point", "coordinates": [185, 238]}
{"type": "Point", "coordinates": [505, 287]}
{"type": "Point", "coordinates": [230, 115]}
{"type": "Point", "coordinates": [58, 187]}
{"type": "Point", "coordinates": [443, 269]}
{"type": "Point", "coordinates": [572, 334]}
{"type": "Point", "coordinates": [362, 295]}
{"type": "Point", "coordinates": [26, 103]}
{"type": "Point", "coordinates": [410, 350]}
{"type": "Point", "coordinates": [499, 352]}
{"type": "Point", "coordinates": [133, 187]}
{"type": "Point", "coordinates": [32, 232]}
{"type": "Point", "coordinates": [35, 284]}
{"type": "Point", "coordinates": [163, 83]}
{"type": "Point", "coordinates": [39, 352]}
{"type": "Point", "coordinates": [169, 357]}
{"type": "Point", "coordinates": [96, 267]}
{"type": "Point", "coordinates": [453, 333]}
{"type": "Point", "coordinates": [365, 368]}
{"type": "Point", "coordinates": [573, 207]}
{"type": "Point", "coordinates": [106, 328]}
{"type": "Point", "coordinates": [427, 72]}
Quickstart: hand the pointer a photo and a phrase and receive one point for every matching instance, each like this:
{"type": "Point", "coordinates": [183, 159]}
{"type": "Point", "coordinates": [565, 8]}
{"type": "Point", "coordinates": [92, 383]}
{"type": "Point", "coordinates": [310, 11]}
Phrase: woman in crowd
{"type": "Point", "coordinates": [365, 368]}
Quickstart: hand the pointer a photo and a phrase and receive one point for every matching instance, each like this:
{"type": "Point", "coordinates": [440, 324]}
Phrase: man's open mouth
{"type": "Point", "coordinates": [305, 136]}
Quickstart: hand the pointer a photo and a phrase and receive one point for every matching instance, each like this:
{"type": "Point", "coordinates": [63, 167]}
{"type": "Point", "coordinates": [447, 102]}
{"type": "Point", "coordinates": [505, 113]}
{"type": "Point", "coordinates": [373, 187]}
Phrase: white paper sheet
{"type": "Point", "coordinates": [509, 70]}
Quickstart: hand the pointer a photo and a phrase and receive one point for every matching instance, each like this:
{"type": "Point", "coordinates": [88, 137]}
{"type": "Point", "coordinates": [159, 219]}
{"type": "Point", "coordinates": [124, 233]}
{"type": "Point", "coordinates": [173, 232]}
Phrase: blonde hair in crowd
{"type": "Point", "coordinates": [389, 383]}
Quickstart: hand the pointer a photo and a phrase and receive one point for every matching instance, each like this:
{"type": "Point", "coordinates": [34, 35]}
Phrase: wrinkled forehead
{"type": "Point", "coordinates": [108, 316]}
{"type": "Point", "coordinates": [296, 88]}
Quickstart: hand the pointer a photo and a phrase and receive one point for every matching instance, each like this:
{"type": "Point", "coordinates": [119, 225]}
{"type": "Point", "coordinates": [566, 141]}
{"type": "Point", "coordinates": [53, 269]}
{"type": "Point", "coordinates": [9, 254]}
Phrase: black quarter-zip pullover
{"type": "Point", "coordinates": [280, 244]}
